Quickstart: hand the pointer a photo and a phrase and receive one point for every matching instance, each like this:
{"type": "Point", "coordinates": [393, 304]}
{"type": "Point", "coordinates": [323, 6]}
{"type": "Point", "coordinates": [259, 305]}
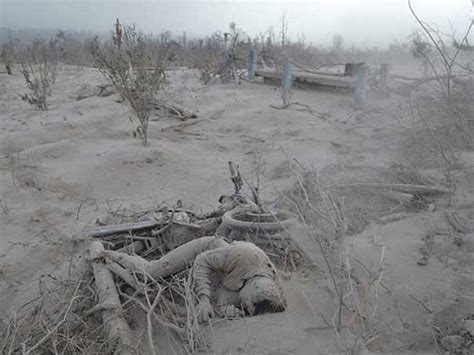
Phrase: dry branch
{"type": "Point", "coordinates": [403, 188]}
{"type": "Point", "coordinates": [116, 327]}
{"type": "Point", "coordinates": [305, 107]}
{"type": "Point", "coordinates": [56, 327]}
{"type": "Point", "coordinates": [184, 124]}
{"type": "Point", "coordinates": [180, 113]}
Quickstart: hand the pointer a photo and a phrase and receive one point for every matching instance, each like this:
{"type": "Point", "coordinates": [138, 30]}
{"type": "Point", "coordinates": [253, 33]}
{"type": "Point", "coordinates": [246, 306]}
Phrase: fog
{"type": "Point", "coordinates": [360, 22]}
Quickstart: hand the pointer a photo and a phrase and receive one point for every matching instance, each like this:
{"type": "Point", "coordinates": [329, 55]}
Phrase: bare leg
{"type": "Point", "coordinates": [134, 263]}
{"type": "Point", "coordinates": [175, 261]}
{"type": "Point", "coordinates": [183, 256]}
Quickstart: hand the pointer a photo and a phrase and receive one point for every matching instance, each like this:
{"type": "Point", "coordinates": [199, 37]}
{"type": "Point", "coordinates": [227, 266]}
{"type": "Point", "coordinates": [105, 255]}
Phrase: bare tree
{"type": "Point", "coordinates": [439, 46]}
{"type": "Point", "coordinates": [284, 30]}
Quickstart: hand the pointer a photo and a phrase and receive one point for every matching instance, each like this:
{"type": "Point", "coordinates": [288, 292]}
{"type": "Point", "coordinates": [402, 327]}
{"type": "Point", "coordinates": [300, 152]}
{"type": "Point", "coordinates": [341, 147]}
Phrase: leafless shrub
{"type": "Point", "coordinates": [208, 69]}
{"type": "Point", "coordinates": [433, 41]}
{"type": "Point", "coordinates": [129, 67]}
{"type": "Point", "coordinates": [38, 66]}
{"type": "Point", "coordinates": [56, 321]}
{"type": "Point", "coordinates": [65, 317]}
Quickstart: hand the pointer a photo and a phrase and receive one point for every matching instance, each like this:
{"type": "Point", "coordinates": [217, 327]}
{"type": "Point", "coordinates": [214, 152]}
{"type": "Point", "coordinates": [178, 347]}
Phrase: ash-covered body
{"type": "Point", "coordinates": [243, 276]}
{"type": "Point", "coordinates": [229, 279]}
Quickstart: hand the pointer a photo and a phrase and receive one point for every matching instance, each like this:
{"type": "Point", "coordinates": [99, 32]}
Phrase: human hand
{"type": "Point", "coordinates": [230, 311]}
{"type": "Point", "coordinates": [205, 311]}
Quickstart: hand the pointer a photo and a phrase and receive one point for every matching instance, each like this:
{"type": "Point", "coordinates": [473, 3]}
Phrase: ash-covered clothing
{"type": "Point", "coordinates": [231, 266]}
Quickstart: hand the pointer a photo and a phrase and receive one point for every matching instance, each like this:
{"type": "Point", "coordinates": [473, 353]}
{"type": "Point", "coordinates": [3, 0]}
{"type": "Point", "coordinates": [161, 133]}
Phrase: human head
{"type": "Point", "coordinates": [262, 294]}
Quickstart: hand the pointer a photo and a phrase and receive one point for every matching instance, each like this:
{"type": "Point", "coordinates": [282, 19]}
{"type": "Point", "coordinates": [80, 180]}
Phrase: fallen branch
{"type": "Point", "coordinates": [151, 311]}
{"type": "Point", "coordinates": [118, 330]}
{"type": "Point", "coordinates": [179, 331]}
{"type": "Point", "coordinates": [404, 188]}
{"type": "Point", "coordinates": [179, 127]}
{"type": "Point", "coordinates": [307, 108]}
{"type": "Point", "coordinates": [184, 124]}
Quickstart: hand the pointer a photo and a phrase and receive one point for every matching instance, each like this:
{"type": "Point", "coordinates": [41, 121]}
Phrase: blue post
{"type": "Point", "coordinates": [361, 83]}
{"type": "Point", "coordinates": [286, 84]}
{"type": "Point", "coordinates": [252, 64]}
{"type": "Point", "coordinates": [287, 76]}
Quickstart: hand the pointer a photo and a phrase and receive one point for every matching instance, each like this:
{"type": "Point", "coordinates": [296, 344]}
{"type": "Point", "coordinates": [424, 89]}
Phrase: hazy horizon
{"type": "Point", "coordinates": [362, 22]}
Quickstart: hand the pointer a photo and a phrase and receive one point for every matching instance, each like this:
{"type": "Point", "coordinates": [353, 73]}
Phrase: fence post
{"type": "Point", "coordinates": [361, 83]}
{"type": "Point", "coordinates": [287, 83]}
{"type": "Point", "coordinates": [384, 76]}
{"type": "Point", "coordinates": [287, 80]}
{"type": "Point", "coordinates": [252, 64]}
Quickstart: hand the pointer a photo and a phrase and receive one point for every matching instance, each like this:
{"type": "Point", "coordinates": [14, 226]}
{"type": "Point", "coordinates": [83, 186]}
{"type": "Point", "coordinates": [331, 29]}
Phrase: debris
{"type": "Point", "coordinates": [104, 231]}
{"type": "Point", "coordinates": [423, 261]}
{"type": "Point", "coordinates": [106, 90]}
{"type": "Point", "coordinates": [182, 113]}
{"type": "Point", "coordinates": [173, 110]}
{"type": "Point", "coordinates": [179, 127]}
{"type": "Point", "coordinates": [452, 342]}
{"type": "Point", "coordinates": [458, 241]}
{"type": "Point", "coordinates": [393, 217]}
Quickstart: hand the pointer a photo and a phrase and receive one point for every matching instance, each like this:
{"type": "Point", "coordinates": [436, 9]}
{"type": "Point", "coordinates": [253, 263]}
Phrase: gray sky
{"type": "Point", "coordinates": [360, 22]}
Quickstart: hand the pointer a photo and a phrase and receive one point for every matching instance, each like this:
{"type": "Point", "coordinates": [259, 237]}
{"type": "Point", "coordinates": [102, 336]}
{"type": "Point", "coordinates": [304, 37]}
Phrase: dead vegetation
{"type": "Point", "coordinates": [137, 77]}
{"type": "Point", "coordinates": [324, 215]}
{"type": "Point", "coordinates": [38, 66]}
{"type": "Point", "coordinates": [356, 195]}
{"type": "Point", "coordinates": [336, 202]}
{"type": "Point", "coordinates": [57, 321]}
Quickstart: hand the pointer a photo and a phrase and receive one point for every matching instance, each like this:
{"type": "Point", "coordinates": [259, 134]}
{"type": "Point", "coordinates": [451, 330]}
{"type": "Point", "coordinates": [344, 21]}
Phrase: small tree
{"type": "Point", "coordinates": [7, 59]}
{"type": "Point", "coordinates": [129, 67]}
{"type": "Point", "coordinates": [7, 55]}
{"type": "Point", "coordinates": [38, 68]}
